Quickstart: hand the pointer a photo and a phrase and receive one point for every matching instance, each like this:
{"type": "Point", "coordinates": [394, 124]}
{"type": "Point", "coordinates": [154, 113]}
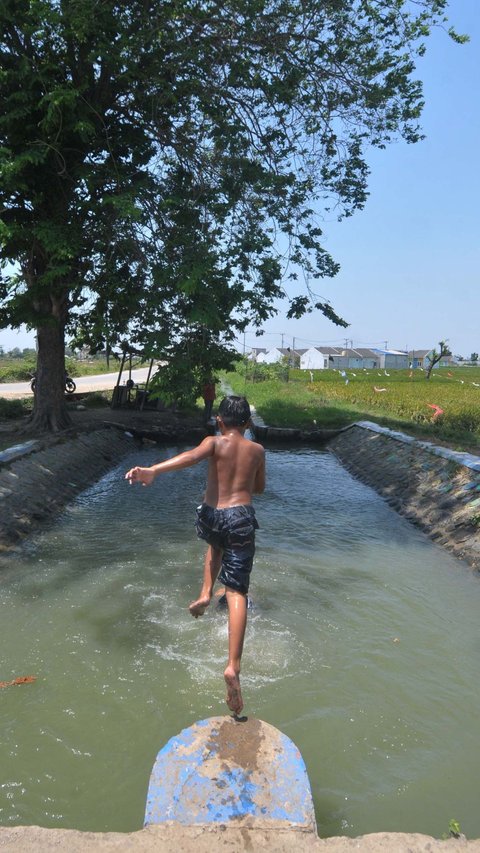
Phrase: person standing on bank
{"type": "Point", "coordinates": [208, 394]}
{"type": "Point", "coordinates": [225, 520]}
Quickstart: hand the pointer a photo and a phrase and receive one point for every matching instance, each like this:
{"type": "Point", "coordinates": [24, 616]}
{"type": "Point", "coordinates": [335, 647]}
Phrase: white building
{"type": "Point", "coordinates": [276, 354]}
{"type": "Point", "coordinates": [318, 358]}
{"type": "Point", "coordinates": [325, 358]}
{"type": "Point", "coordinates": [351, 359]}
{"type": "Point", "coordinates": [256, 352]}
{"type": "Point", "coordinates": [269, 356]}
{"type": "Point", "coordinates": [393, 359]}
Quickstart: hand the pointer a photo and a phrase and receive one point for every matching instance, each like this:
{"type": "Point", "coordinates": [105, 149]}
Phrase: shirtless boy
{"type": "Point", "coordinates": [225, 520]}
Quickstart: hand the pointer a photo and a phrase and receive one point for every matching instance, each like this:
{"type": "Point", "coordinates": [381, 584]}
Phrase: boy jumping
{"type": "Point", "coordinates": [225, 520]}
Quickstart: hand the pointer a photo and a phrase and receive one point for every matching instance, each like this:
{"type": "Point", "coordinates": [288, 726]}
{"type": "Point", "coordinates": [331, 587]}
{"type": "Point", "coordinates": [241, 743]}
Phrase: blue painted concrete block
{"type": "Point", "coordinates": [220, 770]}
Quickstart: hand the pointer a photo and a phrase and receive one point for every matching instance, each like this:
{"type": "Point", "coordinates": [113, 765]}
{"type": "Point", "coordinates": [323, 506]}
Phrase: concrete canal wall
{"type": "Point", "coordinates": [435, 487]}
{"type": "Point", "coordinates": [38, 478]}
{"type": "Point", "coordinates": [244, 836]}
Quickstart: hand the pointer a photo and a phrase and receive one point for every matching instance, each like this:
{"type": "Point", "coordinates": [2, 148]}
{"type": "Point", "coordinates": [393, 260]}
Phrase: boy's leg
{"type": "Point", "coordinates": [237, 621]}
{"type": "Point", "coordinates": [213, 561]}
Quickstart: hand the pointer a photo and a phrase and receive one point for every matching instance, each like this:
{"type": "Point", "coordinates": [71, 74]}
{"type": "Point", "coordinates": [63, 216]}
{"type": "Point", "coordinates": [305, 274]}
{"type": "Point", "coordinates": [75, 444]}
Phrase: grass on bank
{"type": "Point", "coordinates": [21, 369]}
{"type": "Point", "coordinates": [323, 399]}
{"type": "Point", "coordinates": [21, 407]}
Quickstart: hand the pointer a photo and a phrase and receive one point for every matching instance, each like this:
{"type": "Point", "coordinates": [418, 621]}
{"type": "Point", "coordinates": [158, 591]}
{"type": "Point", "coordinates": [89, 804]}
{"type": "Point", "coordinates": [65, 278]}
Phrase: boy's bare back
{"type": "Point", "coordinates": [236, 469]}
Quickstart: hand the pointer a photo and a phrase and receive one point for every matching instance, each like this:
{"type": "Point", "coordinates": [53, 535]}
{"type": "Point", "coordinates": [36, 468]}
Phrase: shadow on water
{"type": "Point", "coordinates": [362, 646]}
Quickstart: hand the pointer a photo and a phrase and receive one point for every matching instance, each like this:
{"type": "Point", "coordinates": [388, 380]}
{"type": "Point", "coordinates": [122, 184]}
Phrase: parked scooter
{"type": "Point", "coordinates": [70, 386]}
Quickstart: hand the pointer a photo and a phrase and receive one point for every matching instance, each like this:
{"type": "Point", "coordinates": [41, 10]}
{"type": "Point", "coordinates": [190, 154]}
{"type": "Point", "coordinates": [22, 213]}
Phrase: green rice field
{"type": "Point", "coordinates": [445, 407]}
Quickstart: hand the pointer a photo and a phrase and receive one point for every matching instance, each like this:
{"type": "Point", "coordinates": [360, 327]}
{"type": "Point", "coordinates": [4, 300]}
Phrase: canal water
{"type": "Point", "coordinates": [363, 646]}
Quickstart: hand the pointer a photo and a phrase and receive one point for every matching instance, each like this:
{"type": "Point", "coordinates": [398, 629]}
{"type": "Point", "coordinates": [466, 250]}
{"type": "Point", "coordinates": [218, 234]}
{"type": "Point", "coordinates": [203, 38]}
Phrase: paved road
{"type": "Point", "coordinates": [101, 382]}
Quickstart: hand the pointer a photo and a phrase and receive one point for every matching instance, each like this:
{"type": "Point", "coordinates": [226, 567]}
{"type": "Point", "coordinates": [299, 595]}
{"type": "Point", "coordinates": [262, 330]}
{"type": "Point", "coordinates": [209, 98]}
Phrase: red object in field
{"type": "Point", "coordinates": [22, 679]}
{"type": "Point", "coordinates": [438, 411]}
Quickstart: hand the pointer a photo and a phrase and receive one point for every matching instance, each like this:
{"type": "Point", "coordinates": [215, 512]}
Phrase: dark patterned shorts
{"type": "Point", "coordinates": [232, 530]}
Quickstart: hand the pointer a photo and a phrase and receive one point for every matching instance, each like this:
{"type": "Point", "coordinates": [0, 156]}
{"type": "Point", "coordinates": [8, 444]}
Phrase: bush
{"type": "Point", "coordinates": [260, 372]}
{"type": "Point", "coordinates": [14, 409]}
{"type": "Point", "coordinates": [96, 400]}
{"type": "Point", "coordinates": [17, 370]}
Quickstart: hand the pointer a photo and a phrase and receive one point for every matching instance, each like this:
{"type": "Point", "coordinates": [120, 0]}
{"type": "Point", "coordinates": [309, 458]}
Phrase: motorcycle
{"type": "Point", "coordinates": [70, 386]}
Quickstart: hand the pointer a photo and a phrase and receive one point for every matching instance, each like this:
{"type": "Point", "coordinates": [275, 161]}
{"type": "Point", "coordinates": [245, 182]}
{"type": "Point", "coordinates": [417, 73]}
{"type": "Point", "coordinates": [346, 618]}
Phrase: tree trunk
{"type": "Point", "coordinates": [50, 410]}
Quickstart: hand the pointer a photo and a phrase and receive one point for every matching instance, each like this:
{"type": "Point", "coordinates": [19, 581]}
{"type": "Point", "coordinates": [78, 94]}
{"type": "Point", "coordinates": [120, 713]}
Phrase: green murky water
{"type": "Point", "coordinates": [363, 647]}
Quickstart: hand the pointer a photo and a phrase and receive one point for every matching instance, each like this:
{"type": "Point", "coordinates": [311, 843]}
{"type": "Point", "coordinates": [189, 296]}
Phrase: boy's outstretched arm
{"type": "Point", "coordinates": [146, 476]}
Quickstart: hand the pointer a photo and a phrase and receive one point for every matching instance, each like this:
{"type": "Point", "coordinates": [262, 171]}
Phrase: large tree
{"type": "Point", "coordinates": [165, 166]}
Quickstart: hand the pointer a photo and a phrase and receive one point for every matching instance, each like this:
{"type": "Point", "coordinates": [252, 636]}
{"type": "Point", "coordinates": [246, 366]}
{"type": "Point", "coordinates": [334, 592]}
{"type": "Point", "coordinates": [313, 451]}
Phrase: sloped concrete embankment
{"type": "Point", "coordinates": [436, 488]}
{"type": "Point", "coordinates": [38, 480]}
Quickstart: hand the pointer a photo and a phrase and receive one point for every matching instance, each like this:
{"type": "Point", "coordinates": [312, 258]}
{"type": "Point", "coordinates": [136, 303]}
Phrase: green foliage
{"type": "Point", "coordinates": [253, 372]}
{"type": "Point", "coordinates": [175, 385]}
{"type": "Point", "coordinates": [16, 369]}
{"type": "Point", "coordinates": [28, 352]}
{"type": "Point", "coordinates": [454, 828]}
{"type": "Point", "coordinates": [14, 409]}
{"type": "Point", "coordinates": [290, 405]}
{"type": "Point", "coordinates": [21, 369]}
{"type": "Point", "coordinates": [186, 366]}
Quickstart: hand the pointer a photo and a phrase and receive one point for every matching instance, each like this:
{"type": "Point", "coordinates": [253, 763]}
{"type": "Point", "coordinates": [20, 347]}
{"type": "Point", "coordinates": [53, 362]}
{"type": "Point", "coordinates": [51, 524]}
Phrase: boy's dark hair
{"type": "Point", "coordinates": [234, 411]}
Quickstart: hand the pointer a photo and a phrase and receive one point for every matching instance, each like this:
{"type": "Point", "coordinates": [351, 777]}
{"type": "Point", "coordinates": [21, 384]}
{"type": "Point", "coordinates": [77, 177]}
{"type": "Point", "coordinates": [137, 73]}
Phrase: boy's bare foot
{"type": "Point", "coordinates": [197, 608]}
{"type": "Point", "coordinates": [234, 694]}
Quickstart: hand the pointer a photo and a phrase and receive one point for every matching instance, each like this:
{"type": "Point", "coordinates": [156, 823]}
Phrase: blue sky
{"type": "Point", "coordinates": [410, 260]}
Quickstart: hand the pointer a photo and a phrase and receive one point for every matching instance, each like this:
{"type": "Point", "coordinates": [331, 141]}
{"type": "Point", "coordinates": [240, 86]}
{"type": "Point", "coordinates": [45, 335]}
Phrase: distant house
{"type": "Point", "coordinates": [423, 357]}
{"type": "Point", "coordinates": [276, 354]}
{"type": "Point", "coordinates": [255, 352]}
{"type": "Point", "coordinates": [393, 359]}
{"type": "Point", "coordinates": [269, 356]}
{"type": "Point", "coordinates": [324, 358]}
{"type": "Point", "coordinates": [318, 358]}
{"type": "Point", "coordinates": [356, 358]}
{"type": "Point", "coordinates": [294, 356]}
{"type": "Point", "coordinates": [417, 357]}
